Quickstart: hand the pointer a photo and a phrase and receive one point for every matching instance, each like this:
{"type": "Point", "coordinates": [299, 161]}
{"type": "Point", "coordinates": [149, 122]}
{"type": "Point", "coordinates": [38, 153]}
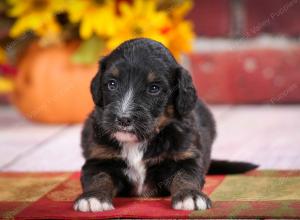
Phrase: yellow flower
{"type": "Point", "coordinates": [181, 34]}
{"type": "Point", "coordinates": [6, 85]}
{"type": "Point", "coordinates": [35, 15]}
{"type": "Point", "coordinates": [140, 19]}
{"type": "Point", "coordinates": [180, 10]}
{"type": "Point", "coordinates": [180, 38]}
{"type": "Point", "coordinates": [95, 17]}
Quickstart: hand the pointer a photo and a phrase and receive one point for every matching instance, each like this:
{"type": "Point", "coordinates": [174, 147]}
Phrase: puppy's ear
{"type": "Point", "coordinates": [96, 88]}
{"type": "Point", "coordinates": [186, 96]}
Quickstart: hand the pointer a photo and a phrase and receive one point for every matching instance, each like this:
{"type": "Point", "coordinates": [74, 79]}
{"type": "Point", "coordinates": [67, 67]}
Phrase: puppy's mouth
{"type": "Point", "coordinates": [125, 136]}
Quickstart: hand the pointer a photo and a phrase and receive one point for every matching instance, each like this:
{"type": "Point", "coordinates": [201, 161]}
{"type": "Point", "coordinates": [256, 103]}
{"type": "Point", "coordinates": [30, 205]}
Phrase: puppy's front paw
{"type": "Point", "coordinates": [190, 200]}
{"type": "Point", "coordinates": [91, 204]}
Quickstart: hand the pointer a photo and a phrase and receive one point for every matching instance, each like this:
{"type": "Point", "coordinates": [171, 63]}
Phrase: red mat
{"type": "Point", "coordinates": [257, 194]}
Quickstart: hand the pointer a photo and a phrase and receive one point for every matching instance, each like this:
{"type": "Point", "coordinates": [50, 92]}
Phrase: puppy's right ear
{"type": "Point", "coordinates": [96, 88]}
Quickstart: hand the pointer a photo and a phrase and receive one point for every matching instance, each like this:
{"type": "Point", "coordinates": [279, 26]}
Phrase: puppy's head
{"type": "Point", "coordinates": [138, 89]}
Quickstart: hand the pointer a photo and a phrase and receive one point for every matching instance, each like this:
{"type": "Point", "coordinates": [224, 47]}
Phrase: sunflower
{"type": "Point", "coordinates": [35, 15]}
{"type": "Point", "coordinates": [94, 17]}
{"type": "Point", "coordinates": [140, 19]}
{"type": "Point", "coordinates": [180, 38]}
{"type": "Point", "coordinates": [181, 34]}
{"type": "Point", "coordinates": [180, 10]}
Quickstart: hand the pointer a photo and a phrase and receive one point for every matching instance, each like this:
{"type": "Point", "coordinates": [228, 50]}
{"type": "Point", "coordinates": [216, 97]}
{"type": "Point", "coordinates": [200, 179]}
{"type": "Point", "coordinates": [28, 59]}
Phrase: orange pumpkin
{"type": "Point", "coordinates": [50, 88]}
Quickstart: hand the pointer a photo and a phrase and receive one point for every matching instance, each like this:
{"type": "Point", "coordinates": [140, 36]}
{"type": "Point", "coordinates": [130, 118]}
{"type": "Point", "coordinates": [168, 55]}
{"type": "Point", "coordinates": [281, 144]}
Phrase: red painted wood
{"type": "Point", "coordinates": [248, 76]}
{"type": "Point", "coordinates": [272, 16]}
{"type": "Point", "coordinates": [211, 17]}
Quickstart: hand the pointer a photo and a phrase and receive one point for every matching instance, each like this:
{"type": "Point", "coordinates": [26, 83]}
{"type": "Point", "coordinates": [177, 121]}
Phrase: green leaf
{"type": "Point", "coordinates": [89, 50]}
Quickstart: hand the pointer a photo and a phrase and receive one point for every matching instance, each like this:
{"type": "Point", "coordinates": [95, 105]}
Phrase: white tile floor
{"type": "Point", "coordinates": [265, 135]}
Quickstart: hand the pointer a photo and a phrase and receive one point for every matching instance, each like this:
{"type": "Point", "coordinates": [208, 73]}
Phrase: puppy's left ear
{"type": "Point", "coordinates": [186, 96]}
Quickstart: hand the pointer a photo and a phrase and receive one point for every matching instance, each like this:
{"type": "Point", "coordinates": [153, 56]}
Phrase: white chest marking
{"type": "Point", "coordinates": [133, 154]}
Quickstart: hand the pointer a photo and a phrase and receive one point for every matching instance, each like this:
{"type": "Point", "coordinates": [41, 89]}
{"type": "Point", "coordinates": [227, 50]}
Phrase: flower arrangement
{"type": "Point", "coordinates": [101, 25]}
{"type": "Point", "coordinates": [55, 43]}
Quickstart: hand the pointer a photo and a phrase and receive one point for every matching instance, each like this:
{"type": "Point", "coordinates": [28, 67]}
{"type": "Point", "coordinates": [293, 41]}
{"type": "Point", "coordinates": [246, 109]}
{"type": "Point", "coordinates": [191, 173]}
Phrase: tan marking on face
{"type": "Point", "coordinates": [115, 71]}
{"type": "Point", "coordinates": [170, 110]}
{"type": "Point", "coordinates": [151, 77]}
{"type": "Point", "coordinates": [166, 117]}
{"type": "Point", "coordinates": [162, 122]}
{"type": "Point", "coordinates": [102, 152]}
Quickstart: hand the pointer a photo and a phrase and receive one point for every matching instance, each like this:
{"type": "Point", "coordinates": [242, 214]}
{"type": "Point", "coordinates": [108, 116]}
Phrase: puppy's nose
{"type": "Point", "coordinates": [124, 121]}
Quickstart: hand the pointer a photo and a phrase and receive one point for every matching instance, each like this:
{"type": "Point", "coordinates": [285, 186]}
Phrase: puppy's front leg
{"type": "Point", "coordinates": [186, 192]}
{"type": "Point", "coordinates": [98, 189]}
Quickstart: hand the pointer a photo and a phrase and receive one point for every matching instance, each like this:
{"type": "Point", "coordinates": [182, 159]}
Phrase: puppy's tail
{"type": "Point", "coordinates": [230, 167]}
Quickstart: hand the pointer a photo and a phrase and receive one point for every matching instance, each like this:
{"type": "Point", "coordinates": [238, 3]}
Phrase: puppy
{"type": "Point", "coordinates": [148, 135]}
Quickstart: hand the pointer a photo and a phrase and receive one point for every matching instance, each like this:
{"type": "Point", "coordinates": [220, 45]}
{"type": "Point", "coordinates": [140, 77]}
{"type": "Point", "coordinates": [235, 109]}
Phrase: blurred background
{"type": "Point", "coordinates": [243, 55]}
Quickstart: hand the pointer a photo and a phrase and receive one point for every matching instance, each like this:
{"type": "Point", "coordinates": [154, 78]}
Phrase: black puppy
{"type": "Point", "coordinates": [149, 134]}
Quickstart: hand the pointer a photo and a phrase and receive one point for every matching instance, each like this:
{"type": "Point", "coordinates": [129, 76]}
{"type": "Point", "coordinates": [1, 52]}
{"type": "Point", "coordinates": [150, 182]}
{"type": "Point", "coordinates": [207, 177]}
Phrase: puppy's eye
{"type": "Point", "coordinates": [153, 89]}
{"type": "Point", "coordinates": [112, 85]}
